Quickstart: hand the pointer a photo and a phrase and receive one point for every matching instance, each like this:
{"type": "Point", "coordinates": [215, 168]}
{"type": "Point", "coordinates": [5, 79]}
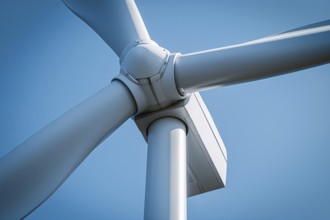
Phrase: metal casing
{"type": "Point", "coordinates": [206, 153]}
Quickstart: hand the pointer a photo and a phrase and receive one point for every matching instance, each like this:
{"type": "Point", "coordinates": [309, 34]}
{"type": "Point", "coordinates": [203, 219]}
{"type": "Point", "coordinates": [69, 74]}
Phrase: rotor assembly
{"type": "Point", "coordinates": [159, 90]}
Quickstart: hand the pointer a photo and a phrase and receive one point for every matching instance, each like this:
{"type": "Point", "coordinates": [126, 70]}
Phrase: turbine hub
{"type": "Point", "coordinates": [144, 61]}
{"type": "Point", "coordinates": [148, 72]}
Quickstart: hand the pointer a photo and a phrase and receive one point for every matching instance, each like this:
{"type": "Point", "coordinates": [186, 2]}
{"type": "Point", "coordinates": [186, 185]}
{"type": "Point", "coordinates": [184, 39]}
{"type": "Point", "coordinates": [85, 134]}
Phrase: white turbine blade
{"type": "Point", "coordinates": [314, 25]}
{"type": "Point", "coordinates": [118, 22]}
{"type": "Point", "coordinates": [35, 169]}
{"type": "Point", "coordinates": [271, 56]}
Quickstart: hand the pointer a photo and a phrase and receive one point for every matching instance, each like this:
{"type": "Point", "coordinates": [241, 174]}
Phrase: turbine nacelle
{"type": "Point", "coordinates": [148, 72]}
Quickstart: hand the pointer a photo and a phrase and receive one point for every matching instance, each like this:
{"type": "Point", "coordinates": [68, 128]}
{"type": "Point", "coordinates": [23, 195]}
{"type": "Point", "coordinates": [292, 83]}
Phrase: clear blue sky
{"type": "Point", "coordinates": [277, 131]}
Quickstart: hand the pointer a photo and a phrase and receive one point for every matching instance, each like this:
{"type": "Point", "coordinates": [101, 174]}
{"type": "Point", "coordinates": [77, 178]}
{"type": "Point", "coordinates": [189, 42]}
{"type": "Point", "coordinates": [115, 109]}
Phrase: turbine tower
{"type": "Point", "coordinates": [159, 91]}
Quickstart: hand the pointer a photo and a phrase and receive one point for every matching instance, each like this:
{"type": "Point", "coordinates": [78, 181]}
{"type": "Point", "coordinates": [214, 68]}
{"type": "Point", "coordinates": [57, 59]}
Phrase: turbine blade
{"type": "Point", "coordinates": [318, 24]}
{"type": "Point", "coordinates": [30, 173]}
{"type": "Point", "coordinates": [270, 56]}
{"type": "Point", "coordinates": [118, 23]}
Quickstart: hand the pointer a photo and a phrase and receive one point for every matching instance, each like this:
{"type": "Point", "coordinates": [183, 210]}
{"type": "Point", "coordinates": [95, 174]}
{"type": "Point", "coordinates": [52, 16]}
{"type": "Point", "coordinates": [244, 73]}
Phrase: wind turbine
{"type": "Point", "coordinates": [285, 38]}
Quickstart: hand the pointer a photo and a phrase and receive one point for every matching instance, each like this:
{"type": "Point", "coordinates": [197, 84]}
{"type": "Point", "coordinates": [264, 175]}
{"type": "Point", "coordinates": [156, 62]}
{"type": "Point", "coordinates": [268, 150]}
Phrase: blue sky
{"type": "Point", "coordinates": [277, 131]}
